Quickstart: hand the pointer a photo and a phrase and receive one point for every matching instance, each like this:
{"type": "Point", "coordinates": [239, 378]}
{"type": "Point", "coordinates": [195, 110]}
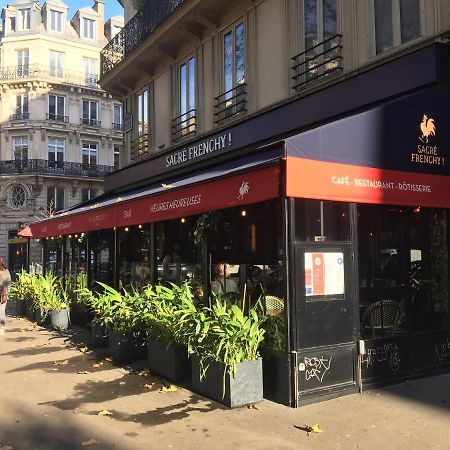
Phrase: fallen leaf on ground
{"type": "Point", "coordinates": [109, 359]}
{"type": "Point", "coordinates": [100, 364]}
{"type": "Point", "coordinates": [316, 428]}
{"type": "Point", "coordinates": [144, 373]}
{"type": "Point", "coordinates": [61, 363]}
{"type": "Point", "coordinates": [254, 406]}
{"type": "Point", "coordinates": [310, 429]}
{"type": "Point", "coordinates": [83, 372]}
{"type": "Point", "coordinates": [104, 412]}
{"type": "Point", "coordinates": [171, 388]}
{"type": "Point", "coordinates": [6, 447]}
{"type": "Point", "coordinates": [89, 443]}
{"type": "Point", "coordinates": [55, 369]}
{"type": "Point", "coordinates": [83, 349]}
{"type": "Point", "coordinates": [149, 385]}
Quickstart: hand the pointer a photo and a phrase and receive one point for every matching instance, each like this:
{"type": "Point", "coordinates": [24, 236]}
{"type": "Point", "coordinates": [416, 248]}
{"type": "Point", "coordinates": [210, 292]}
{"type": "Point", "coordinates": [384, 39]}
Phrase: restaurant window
{"type": "Point", "coordinates": [57, 107]}
{"type": "Point", "coordinates": [55, 199]}
{"type": "Point", "coordinates": [56, 64]}
{"type": "Point", "coordinates": [56, 148]}
{"type": "Point", "coordinates": [179, 253]}
{"type": "Point", "coordinates": [25, 19]}
{"type": "Point", "coordinates": [53, 256]}
{"type": "Point", "coordinates": [133, 256]}
{"type": "Point", "coordinates": [89, 154]}
{"type": "Point", "coordinates": [395, 22]}
{"type": "Point", "coordinates": [90, 113]}
{"type": "Point", "coordinates": [185, 124]}
{"type": "Point", "coordinates": [318, 221]}
{"type": "Point", "coordinates": [56, 21]}
{"type": "Point", "coordinates": [101, 258]}
{"type": "Point", "coordinates": [403, 269]}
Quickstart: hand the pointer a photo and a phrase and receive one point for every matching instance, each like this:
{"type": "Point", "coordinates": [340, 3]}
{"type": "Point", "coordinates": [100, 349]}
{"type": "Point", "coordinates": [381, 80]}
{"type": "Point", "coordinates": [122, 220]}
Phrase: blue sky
{"type": "Point", "coordinates": [112, 7]}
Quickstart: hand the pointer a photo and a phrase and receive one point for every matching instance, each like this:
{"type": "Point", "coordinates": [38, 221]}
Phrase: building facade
{"type": "Point", "coordinates": [300, 145]}
{"type": "Point", "coordinates": [60, 133]}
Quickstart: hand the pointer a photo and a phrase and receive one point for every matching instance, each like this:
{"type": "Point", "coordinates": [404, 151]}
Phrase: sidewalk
{"type": "Point", "coordinates": [52, 392]}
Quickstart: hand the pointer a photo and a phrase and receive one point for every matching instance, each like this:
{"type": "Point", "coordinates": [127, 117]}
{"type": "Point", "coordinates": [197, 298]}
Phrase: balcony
{"type": "Point", "coordinates": [184, 125]}
{"type": "Point", "coordinates": [230, 103]}
{"type": "Point", "coordinates": [318, 63]}
{"type": "Point", "coordinates": [117, 126]}
{"type": "Point", "coordinates": [57, 117]}
{"type": "Point", "coordinates": [140, 148]}
{"type": "Point", "coordinates": [48, 73]}
{"type": "Point", "coordinates": [90, 122]}
{"type": "Point", "coordinates": [136, 31]}
{"type": "Point", "coordinates": [20, 116]}
{"type": "Point", "coordinates": [45, 167]}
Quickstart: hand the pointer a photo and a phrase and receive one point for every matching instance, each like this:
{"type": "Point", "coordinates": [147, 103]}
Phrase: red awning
{"type": "Point", "coordinates": [25, 232]}
{"type": "Point", "coordinates": [242, 189]}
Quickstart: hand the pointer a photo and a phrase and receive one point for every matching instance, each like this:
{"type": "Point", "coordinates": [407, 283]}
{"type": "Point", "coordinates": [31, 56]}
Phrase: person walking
{"type": "Point", "coordinates": [5, 284]}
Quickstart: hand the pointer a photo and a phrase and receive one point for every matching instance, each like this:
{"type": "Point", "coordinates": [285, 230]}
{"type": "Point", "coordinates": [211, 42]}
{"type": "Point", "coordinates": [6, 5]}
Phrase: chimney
{"type": "Point", "coordinates": [99, 7]}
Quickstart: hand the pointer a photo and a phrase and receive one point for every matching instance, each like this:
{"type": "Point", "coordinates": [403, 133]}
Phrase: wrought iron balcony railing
{"type": "Point", "coordinates": [90, 122]}
{"type": "Point", "coordinates": [117, 126]}
{"type": "Point", "coordinates": [230, 103]}
{"type": "Point", "coordinates": [57, 117]}
{"type": "Point", "coordinates": [20, 116]}
{"type": "Point", "coordinates": [184, 125]}
{"type": "Point", "coordinates": [318, 62]}
{"type": "Point", "coordinates": [48, 73]}
{"type": "Point", "coordinates": [45, 167]}
{"type": "Point", "coordinates": [136, 31]}
{"type": "Point", "coordinates": [140, 148]}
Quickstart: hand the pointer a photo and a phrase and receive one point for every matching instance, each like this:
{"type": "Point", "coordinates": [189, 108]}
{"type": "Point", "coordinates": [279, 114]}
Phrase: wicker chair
{"type": "Point", "coordinates": [382, 315]}
{"type": "Point", "coordinates": [273, 306]}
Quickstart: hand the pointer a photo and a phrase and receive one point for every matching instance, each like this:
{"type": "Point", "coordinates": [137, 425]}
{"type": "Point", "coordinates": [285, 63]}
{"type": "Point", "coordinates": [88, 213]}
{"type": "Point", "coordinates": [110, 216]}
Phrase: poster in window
{"type": "Point", "coordinates": [324, 274]}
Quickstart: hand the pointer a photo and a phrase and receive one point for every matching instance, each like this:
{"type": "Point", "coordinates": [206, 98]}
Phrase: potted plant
{"type": "Point", "coordinates": [121, 312]}
{"type": "Point", "coordinates": [226, 364]}
{"type": "Point", "coordinates": [21, 292]}
{"type": "Point", "coordinates": [167, 355]}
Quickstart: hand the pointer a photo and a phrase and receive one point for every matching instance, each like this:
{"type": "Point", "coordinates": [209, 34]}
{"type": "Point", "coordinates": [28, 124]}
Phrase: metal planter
{"type": "Point", "coordinates": [127, 347]}
{"type": "Point", "coordinates": [171, 362]}
{"type": "Point", "coordinates": [244, 388]}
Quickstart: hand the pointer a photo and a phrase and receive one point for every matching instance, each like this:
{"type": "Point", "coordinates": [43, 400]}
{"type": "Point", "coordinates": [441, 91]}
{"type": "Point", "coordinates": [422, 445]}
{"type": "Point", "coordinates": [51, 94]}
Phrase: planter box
{"type": "Point", "coordinates": [99, 335]}
{"type": "Point", "coordinates": [127, 347]}
{"type": "Point", "coordinates": [42, 316]}
{"type": "Point", "coordinates": [244, 388]}
{"type": "Point", "coordinates": [170, 362]}
{"type": "Point", "coordinates": [30, 312]}
{"type": "Point", "coordinates": [16, 308]}
{"type": "Point", "coordinates": [60, 319]}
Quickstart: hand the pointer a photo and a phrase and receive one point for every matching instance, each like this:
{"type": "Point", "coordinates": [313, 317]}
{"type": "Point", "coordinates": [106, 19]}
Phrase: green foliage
{"type": "Point", "coordinates": [24, 288]}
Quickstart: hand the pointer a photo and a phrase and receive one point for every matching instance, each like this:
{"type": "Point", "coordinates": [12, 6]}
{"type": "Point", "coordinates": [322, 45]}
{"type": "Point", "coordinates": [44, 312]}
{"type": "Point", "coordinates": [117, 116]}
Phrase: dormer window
{"type": "Point", "coordinates": [88, 28]}
{"type": "Point", "coordinates": [25, 19]}
{"type": "Point", "coordinates": [56, 20]}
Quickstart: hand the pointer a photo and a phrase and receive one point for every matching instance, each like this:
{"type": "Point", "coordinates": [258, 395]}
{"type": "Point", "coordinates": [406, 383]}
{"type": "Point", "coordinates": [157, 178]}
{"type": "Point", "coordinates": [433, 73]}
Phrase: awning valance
{"type": "Point", "coordinates": [201, 192]}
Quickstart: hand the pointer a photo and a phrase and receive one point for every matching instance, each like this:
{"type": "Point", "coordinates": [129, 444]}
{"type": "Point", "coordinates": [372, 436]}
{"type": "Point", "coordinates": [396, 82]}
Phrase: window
{"type": "Point", "coordinates": [13, 23]}
{"type": "Point", "coordinates": [116, 157]}
{"type": "Point", "coordinates": [185, 123]}
{"type": "Point", "coordinates": [21, 112]}
{"type": "Point", "coordinates": [88, 193]}
{"type": "Point", "coordinates": [117, 119]}
{"type": "Point", "coordinates": [395, 22]}
{"type": "Point", "coordinates": [55, 199]}
{"type": "Point", "coordinates": [90, 113]}
{"type": "Point", "coordinates": [17, 196]}
{"type": "Point", "coordinates": [20, 151]}
{"type": "Point", "coordinates": [88, 28]}
{"type": "Point", "coordinates": [56, 20]}
{"type": "Point", "coordinates": [25, 19]}
{"type": "Point", "coordinates": [234, 98]}
{"type": "Point", "coordinates": [56, 64]}
{"type": "Point", "coordinates": [89, 153]}
{"type": "Point", "coordinates": [56, 148]}
{"type": "Point", "coordinates": [234, 57]}
{"type": "Point", "coordinates": [56, 108]}
{"type": "Point", "coordinates": [23, 61]}
{"type": "Point", "coordinates": [90, 71]}
{"type": "Point", "coordinates": [140, 147]}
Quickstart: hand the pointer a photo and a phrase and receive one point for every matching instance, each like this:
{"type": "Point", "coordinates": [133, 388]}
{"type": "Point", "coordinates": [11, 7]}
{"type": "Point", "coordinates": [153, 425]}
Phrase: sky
{"type": "Point", "coordinates": [112, 7]}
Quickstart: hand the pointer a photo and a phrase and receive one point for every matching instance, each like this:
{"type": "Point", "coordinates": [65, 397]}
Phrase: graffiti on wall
{"type": "Point", "coordinates": [387, 353]}
{"type": "Point", "coordinates": [316, 367]}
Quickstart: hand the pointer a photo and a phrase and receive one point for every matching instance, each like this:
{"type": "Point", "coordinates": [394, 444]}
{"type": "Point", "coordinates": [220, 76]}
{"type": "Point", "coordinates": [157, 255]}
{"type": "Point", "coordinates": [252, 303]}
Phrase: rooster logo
{"type": "Point", "coordinates": [244, 189]}
{"type": "Point", "coordinates": [427, 128]}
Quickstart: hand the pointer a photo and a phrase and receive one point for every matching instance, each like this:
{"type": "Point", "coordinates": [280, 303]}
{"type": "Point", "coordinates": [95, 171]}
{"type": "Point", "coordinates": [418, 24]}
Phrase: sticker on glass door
{"type": "Point", "coordinates": [324, 274]}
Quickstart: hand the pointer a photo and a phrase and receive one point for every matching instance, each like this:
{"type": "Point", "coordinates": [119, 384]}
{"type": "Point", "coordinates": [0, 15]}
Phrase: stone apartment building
{"type": "Point", "coordinates": [302, 145]}
{"type": "Point", "coordinates": [60, 133]}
